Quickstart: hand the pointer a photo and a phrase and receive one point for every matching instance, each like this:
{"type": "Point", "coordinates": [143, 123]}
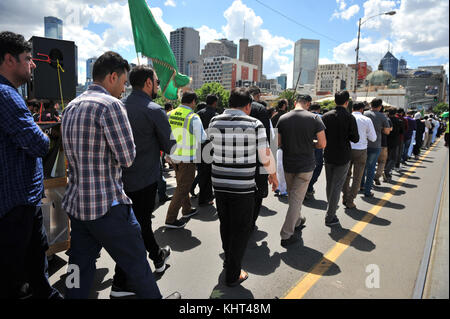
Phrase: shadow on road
{"type": "Point", "coordinates": [388, 204]}
{"type": "Point", "coordinates": [316, 204]}
{"type": "Point", "coordinates": [388, 190]}
{"type": "Point", "coordinates": [177, 239]}
{"type": "Point", "coordinates": [350, 238]}
{"type": "Point", "coordinates": [358, 215]}
{"type": "Point", "coordinates": [222, 291]}
{"type": "Point", "coordinates": [258, 260]}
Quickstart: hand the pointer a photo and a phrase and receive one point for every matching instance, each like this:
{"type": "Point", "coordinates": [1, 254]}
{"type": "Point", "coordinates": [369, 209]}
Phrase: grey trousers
{"type": "Point", "coordinates": [358, 163]}
{"type": "Point", "coordinates": [297, 185]}
{"type": "Point", "coordinates": [335, 175]}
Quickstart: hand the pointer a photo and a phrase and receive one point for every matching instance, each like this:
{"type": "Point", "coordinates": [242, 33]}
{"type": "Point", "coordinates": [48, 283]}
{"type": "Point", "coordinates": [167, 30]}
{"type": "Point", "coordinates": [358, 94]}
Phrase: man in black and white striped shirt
{"type": "Point", "coordinates": [237, 140]}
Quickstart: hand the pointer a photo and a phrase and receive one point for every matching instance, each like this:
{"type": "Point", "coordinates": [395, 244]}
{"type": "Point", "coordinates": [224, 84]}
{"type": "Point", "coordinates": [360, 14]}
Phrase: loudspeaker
{"type": "Point", "coordinates": [45, 83]}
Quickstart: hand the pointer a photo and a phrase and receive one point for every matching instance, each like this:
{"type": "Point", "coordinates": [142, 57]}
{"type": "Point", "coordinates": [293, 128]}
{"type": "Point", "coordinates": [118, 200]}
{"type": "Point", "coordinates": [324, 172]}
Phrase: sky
{"type": "Point", "coordinates": [418, 32]}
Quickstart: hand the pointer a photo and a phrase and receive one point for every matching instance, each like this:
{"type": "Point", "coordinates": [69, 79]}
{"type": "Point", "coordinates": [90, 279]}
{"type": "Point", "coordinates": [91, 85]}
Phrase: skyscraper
{"type": "Point", "coordinates": [89, 65]}
{"type": "Point", "coordinates": [185, 44]}
{"type": "Point", "coordinates": [53, 28]}
{"type": "Point", "coordinates": [222, 47]}
{"type": "Point", "coordinates": [306, 59]}
{"type": "Point", "coordinates": [252, 54]}
{"type": "Point", "coordinates": [390, 64]}
{"type": "Point", "coordinates": [282, 80]}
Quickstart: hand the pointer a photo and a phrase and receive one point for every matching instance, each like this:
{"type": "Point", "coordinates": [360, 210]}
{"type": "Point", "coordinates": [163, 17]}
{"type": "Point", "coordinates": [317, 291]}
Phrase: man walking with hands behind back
{"type": "Point", "coordinates": [341, 129]}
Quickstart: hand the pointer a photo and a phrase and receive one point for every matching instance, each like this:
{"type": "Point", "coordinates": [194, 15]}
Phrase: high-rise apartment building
{"type": "Point", "coordinates": [306, 60]}
{"type": "Point", "coordinates": [252, 54]}
{"type": "Point", "coordinates": [185, 44]}
{"type": "Point", "coordinates": [53, 28]}
{"type": "Point", "coordinates": [390, 64]}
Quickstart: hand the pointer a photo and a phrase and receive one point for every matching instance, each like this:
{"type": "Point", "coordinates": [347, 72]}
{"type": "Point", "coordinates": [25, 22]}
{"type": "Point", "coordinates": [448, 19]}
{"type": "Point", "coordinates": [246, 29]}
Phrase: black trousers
{"type": "Point", "coordinates": [23, 243]}
{"type": "Point", "coordinates": [204, 183]}
{"type": "Point", "coordinates": [143, 205]}
{"type": "Point", "coordinates": [236, 218]}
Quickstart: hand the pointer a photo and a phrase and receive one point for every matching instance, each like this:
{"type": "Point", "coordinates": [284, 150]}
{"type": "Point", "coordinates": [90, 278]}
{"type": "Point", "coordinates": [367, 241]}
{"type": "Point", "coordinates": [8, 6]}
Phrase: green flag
{"type": "Point", "coordinates": [150, 41]}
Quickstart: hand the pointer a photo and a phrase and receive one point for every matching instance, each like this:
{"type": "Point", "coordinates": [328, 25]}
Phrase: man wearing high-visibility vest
{"type": "Point", "coordinates": [188, 131]}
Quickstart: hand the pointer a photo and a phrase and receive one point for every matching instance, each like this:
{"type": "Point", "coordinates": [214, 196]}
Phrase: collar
{"type": "Point", "coordinates": [360, 113]}
{"type": "Point", "coordinates": [186, 107]}
{"type": "Point", "coordinates": [98, 88]}
{"type": "Point", "coordinates": [141, 94]}
{"type": "Point", "coordinates": [5, 81]}
{"type": "Point", "coordinates": [234, 112]}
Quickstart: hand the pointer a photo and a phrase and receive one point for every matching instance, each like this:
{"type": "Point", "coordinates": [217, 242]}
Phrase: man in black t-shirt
{"type": "Point", "coordinates": [297, 131]}
{"type": "Point", "coordinates": [393, 143]}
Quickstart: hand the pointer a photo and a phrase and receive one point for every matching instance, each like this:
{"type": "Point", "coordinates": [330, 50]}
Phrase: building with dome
{"type": "Point", "coordinates": [379, 78]}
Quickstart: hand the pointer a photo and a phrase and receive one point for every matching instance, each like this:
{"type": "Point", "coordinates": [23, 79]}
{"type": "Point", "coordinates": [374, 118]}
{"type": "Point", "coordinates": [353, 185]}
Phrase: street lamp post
{"type": "Point", "coordinates": [390, 13]}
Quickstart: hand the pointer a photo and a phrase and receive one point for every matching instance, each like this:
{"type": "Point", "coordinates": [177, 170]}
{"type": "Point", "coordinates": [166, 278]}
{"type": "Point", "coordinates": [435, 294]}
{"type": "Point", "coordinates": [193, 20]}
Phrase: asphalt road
{"type": "Point", "coordinates": [376, 253]}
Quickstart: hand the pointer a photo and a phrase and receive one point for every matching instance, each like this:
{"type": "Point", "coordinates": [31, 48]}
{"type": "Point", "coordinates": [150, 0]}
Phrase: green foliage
{"type": "Point", "coordinates": [217, 89]}
{"type": "Point", "coordinates": [440, 108]}
{"type": "Point", "coordinates": [160, 100]}
{"type": "Point", "coordinates": [289, 95]}
{"type": "Point", "coordinates": [327, 105]}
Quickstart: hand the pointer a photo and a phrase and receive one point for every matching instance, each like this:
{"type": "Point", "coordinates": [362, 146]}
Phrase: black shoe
{"type": "Point", "coordinates": [332, 222]}
{"type": "Point", "coordinates": [119, 292]}
{"type": "Point", "coordinates": [290, 241]}
{"type": "Point", "coordinates": [302, 224]}
{"type": "Point", "coordinates": [176, 224]}
{"type": "Point", "coordinates": [193, 212]}
{"type": "Point", "coordinates": [165, 199]}
{"type": "Point", "coordinates": [370, 195]}
{"type": "Point", "coordinates": [175, 295]}
{"type": "Point", "coordinates": [377, 181]}
{"type": "Point", "coordinates": [242, 277]}
{"type": "Point", "coordinates": [207, 203]}
{"type": "Point", "coordinates": [161, 266]}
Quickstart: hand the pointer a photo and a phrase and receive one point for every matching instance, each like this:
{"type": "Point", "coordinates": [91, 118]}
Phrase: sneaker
{"type": "Point", "coordinates": [349, 205]}
{"type": "Point", "coordinates": [377, 181]}
{"type": "Point", "coordinates": [175, 295]}
{"type": "Point", "coordinates": [370, 195]}
{"type": "Point", "coordinates": [290, 241]}
{"type": "Point", "coordinates": [284, 194]}
{"type": "Point", "coordinates": [193, 212]}
{"type": "Point", "coordinates": [176, 224]}
{"type": "Point", "coordinates": [309, 195]}
{"type": "Point", "coordinates": [333, 222]}
{"type": "Point", "coordinates": [161, 265]}
{"type": "Point", "coordinates": [118, 292]}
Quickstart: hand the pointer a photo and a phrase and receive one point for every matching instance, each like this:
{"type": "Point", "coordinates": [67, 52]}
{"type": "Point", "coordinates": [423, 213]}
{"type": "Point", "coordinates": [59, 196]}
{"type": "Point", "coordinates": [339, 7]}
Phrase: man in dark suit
{"type": "Point", "coordinates": [204, 170]}
{"type": "Point", "coordinates": [259, 112]}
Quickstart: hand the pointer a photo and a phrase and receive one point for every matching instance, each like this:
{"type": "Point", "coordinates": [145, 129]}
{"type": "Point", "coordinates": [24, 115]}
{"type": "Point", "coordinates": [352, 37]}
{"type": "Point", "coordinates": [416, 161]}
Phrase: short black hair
{"type": "Point", "coordinates": [400, 111]}
{"type": "Point", "coordinates": [189, 97]}
{"type": "Point", "coordinates": [314, 107]}
{"type": "Point", "coordinates": [108, 63]}
{"type": "Point", "coordinates": [239, 97]}
{"type": "Point", "coordinates": [304, 98]}
{"type": "Point", "coordinates": [201, 106]}
{"type": "Point", "coordinates": [139, 75]}
{"type": "Point", "coordinates": [341, 97]}
{"type": "Point", "coordinates": [282, 103]}
{"type": "Point", "coordinates": [376, 103]}
{"type": "Point", "coordinates": [359, 106]}
{"type": "Point", "coordinates": [168, 106]}
{"type": "Point", "coordinates": [211, 99]}
{"type": "Point", "coordinates": [13, 44]}
{"type": "Point", "coordinates": [254, 90]}
{"type": "Point", "coordinates": [392, 111]}
{"type": "Point", "coordinates": [263, 103]}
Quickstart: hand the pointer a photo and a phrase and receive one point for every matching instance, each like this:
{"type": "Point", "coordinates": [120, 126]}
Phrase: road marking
{"type": "Point", "coordinates": [317, 271]}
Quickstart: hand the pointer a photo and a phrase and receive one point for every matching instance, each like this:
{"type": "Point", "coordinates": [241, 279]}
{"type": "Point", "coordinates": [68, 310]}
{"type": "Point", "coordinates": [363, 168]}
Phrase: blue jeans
{"type": "Point", "coordinates": [406, 150]}
{"type": "Point", "coordinates": [319, 165]}
{"type": "Point", "coordinates": [120, 234]}
{"type": "Point", "coordinates": [369, 171]}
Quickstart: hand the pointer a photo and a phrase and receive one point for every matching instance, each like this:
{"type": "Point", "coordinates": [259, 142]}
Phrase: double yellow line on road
{"type": "Point", "coordinates": [311, 278]}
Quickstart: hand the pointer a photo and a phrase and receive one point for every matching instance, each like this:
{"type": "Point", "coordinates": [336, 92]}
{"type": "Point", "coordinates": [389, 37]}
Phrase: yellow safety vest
{"type": "Point", "coordinates": [180, 121]}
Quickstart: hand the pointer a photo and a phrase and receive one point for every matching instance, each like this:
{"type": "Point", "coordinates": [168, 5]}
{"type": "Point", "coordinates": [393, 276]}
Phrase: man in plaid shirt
{"type": "Point", "coordinates": [23, 240]}
{"type": "Point", "coordinates": [98, 142]}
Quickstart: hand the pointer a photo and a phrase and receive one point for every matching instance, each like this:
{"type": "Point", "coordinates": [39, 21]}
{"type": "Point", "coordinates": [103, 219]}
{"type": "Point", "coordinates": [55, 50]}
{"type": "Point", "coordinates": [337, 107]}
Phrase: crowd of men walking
{"type": "Point", "coordinates": [116, 150]}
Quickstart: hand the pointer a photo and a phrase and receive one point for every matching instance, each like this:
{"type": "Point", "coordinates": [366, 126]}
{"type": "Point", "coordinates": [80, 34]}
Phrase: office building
{"type": "Point", "coordinates": [332, 78]}
{"type": "Point", "coordinates": [252, 54]}
{"type": "Point", "coordinates": [390, 64]}
{"type": "Point", "coordinates": [282, 81]}
{"type": "Point", "coordinates": [53, 28]}
{"type": "Point", "coordinates": [222, 47]}
{"type": "Point", "coordinates": [306, 60]}
{"type": "Point", "coordinates": [185, 44]}
{"type": "Point", "coordinates": [89, 65]}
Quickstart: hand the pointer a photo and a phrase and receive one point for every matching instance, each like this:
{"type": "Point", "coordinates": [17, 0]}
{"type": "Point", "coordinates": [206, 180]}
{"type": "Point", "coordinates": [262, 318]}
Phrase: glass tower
{"type": "Point", "coordinates": [306, 59]}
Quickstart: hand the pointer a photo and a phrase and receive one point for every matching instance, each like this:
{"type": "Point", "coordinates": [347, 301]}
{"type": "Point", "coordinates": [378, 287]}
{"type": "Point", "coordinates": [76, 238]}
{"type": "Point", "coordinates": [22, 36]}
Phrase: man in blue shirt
{"type": "Point", "coordinates": [23, 241]}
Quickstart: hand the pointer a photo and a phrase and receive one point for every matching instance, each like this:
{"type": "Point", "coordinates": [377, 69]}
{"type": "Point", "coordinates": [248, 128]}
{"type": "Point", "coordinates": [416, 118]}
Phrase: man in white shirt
{"type": "Point", "coordinates": [366, 132]}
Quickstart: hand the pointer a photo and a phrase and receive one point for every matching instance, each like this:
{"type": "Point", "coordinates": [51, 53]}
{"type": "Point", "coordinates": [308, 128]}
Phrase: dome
{"type": "Point", "coordinates": [379, 78]}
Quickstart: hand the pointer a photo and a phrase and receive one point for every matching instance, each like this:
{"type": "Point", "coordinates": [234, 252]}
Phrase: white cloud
{"type": "Point", "coordinates": [170, 3]}
{"type": "Point", "coordinates": [343, 12]}
{"type": "Point", "coordinates": [208, 34]}
{"type": "Point", "coordinates": [278, 51]}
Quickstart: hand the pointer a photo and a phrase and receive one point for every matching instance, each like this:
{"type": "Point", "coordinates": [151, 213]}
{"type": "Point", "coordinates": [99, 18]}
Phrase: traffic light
{"type": "Point", "coordinates": [435, 99]}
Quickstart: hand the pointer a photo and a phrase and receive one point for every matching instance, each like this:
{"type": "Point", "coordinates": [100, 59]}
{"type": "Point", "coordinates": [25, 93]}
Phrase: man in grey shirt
{"type": "Point", "coordinates": [381, 124]}
{"type": "Point", "coordinates": [151, 133]}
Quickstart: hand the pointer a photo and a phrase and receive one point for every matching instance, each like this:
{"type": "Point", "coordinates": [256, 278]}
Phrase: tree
{"type": "Point", "coordinates": [440, 108]}
{"type": "Point", "coordinates": [217, 89]}
{"type": "Point", "coordinates": [160, 100]}
{"type": "Point", "coordinates": [289, 95]}
{"type": "Point", "coordinates": [327, 105]}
